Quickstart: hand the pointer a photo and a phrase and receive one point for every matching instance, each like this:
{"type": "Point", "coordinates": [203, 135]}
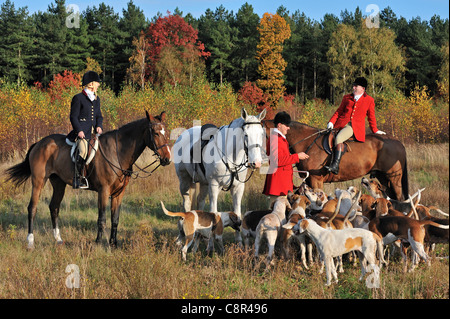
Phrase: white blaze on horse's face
{"type": "Point", "coordinates": [254, 137]}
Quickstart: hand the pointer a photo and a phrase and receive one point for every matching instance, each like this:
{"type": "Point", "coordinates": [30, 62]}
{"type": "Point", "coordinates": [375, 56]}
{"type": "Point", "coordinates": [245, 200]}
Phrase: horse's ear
{"type": "Point", "coordinates": [244, 113]}
{"type": "Point", "coordinates": [163, 116]}
{"type": "Point", "coordinates": [262, 114]}
{"type": "Point", "coordinates": [149, 117]}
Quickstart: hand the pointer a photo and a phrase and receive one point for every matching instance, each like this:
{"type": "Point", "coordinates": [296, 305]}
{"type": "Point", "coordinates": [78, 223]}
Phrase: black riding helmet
{"type": "Point", "coordinates": [283, 118]}
{"type": "Point", "coordinates": [90, 76]}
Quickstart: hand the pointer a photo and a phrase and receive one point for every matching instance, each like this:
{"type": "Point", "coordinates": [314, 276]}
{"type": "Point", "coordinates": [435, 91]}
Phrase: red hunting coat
{"type": "Point", "coordinates": [280, 182]}
{"type": "Point", "coordinates": [356, 112]}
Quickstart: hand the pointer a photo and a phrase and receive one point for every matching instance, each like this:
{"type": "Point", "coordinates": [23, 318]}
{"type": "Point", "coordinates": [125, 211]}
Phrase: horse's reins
{"type": "Point", "coordinates": [318, 135]}
{"type": "Point", "coordinates": [304, 139]}
{"type": "Point", "coordinates": [126, 172]}
{"type": "Point", "coordinates": [237, 167]}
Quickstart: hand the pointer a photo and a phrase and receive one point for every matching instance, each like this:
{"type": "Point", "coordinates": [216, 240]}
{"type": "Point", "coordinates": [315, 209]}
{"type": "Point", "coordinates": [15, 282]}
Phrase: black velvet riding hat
{"type": "Point", "coordinates": [360, 81]}
{"type": "Point", "coordinates": [90, 76]}
{"type": "Point", "coordinates": [283, 118]}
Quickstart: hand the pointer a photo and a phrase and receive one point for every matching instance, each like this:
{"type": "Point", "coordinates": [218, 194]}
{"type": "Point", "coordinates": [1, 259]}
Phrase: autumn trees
{"type": "Point", "coordinates": [273, 31]}
{"type": "Point", "coordinates": [318, 60]}
{"type": "Point", "coordinates": [370, 52]}
{"type": "Point", "coordinates": [168, 52]}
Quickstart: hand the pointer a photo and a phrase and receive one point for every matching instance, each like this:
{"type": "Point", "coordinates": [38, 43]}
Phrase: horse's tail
{"type": "Point", "coordinates": [405, 186]}
{"type": "Point", "coordinates": [172, 214]}
{"type": "Point", "coordinates": [19, 173]}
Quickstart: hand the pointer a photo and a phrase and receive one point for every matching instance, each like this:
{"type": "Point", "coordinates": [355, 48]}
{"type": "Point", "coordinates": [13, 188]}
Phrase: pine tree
{"type": "Point", "coordinates": [105, 37]}
{"type": "Point", "coordinates": [223, 37]}
{"type": "Point", "coordinates": [16, 46]}
{"type": "Point", "coordinates": [132, 23]}
{"type": "Point", "coordinates": [245, 65]}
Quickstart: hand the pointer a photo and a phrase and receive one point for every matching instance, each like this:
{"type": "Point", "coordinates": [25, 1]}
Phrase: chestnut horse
{"type": "Point", "coordinates": [381, 156]}
{"type": "Point", "coordinates": [108, 173]}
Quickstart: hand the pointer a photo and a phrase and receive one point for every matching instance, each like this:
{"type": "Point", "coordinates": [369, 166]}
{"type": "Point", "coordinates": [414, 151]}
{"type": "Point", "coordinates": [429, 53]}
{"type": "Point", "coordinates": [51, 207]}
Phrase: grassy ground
{"type": "Point", "coordinates": [147, 263]}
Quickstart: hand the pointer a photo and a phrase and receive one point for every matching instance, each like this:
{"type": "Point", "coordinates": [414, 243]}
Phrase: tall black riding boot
{"type": "Point", "coordinates": [79, 181]}
{"type": "Point", "coordinates": [338, 151]}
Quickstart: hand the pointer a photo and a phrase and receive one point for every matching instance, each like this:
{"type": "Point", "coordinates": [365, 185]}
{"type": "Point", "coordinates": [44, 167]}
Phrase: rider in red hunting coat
{"type": "Point", "coordinates": [279, 182]}
{"type": "Point", "coordinates": [349, 120]}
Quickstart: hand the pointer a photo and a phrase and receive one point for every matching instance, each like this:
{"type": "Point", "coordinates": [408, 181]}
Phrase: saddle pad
{"type": "Point", "coordinates": [207, 131]}
{"type": "Point", "coordinates": [92, 150]}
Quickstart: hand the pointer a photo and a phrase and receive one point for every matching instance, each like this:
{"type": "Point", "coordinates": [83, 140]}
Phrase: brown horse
{"type": "Point", "coordinates": [108, 173]}
{"type": "Point", "coordinates": [382, 157]}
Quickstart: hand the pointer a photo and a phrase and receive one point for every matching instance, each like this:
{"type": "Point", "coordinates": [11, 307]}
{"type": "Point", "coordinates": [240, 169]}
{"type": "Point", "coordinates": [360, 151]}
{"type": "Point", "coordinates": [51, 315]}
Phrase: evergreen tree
{"type": "Point", "coordinates": [106, 39]}
{"type": "Point", "coordinates": [59, 45]}
{"type": "Point", "coordinates": [16, 45]}
{"type": "Point", "coordinates": [245, 65]}
{"type": "Point", "coordinates": [219, 37]}
{"type": "Point", "coordinates": [131, 24]}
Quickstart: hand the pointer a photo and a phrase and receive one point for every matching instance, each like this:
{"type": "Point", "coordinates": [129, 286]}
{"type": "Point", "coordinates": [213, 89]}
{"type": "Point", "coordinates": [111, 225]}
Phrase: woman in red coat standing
{"type": "Point", "coordinates": [279, 180]}
{"type": "Point", "coordinates": [349, 120]}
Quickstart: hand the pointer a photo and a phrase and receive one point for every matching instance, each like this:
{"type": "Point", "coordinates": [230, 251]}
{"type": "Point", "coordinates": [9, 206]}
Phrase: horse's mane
{"type": "Point", "coordinates": [303, 124]}
{"type": "Point", "coordinates": [127, 127]}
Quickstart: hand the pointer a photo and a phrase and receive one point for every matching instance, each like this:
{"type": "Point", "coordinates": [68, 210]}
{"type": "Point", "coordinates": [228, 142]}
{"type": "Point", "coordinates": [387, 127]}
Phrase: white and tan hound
{"type": "Point", "coordinates": [270, 225]}
{"type": "Point", "coordinates": [334, 243]}
{"type": "Point", "coordinates": [209, 225]}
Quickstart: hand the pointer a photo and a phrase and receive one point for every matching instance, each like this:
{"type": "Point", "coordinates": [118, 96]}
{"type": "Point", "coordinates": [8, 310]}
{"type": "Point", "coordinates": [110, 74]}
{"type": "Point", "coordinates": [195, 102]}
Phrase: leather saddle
{"type": "Point", "coordinates": [328, 142]}
{"type": "Point", "coordinates": [92, 149]}
{"type": "Point", "coordinates": [207, 131]}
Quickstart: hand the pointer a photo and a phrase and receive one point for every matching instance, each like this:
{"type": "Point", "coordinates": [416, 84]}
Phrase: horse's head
{"type": "Point", "coordinates": [157, 138]}
{"type": "Point", "coordinates": [254, 135]}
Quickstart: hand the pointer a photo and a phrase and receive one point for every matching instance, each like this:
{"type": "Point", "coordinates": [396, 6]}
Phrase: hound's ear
{"type": "Point", "coordinates": [289, 195]}
{"type": "Point", "coordinates": [288, 226]}
{"type": "Point", "coordinates": [262, 114]}
{"type": "Point", "coordinates": [149, 117]}
{"type": "Point", "coordinates": [163, 116]}
{"type": "Point", "coordinates": [244, 113]}
{"type": "Point", "coordinates": [374, 204]}
{"type": "Point", "coordinates": [288, 205]}
{"type": "Point", "coordinates": [235, 219]}
{"type": "Point", "coordinates": [381, 187]}
{"type": "Point", "coordinates": [272, 204]}
{"type": "Point", "coordinates": [308, 202]}
{"type": "Point", "coordinates": [389, 204]}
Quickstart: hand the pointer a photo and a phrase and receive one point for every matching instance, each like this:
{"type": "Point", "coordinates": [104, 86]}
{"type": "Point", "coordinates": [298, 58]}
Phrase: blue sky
{"type": "Point", "coordinates": [314, 9]}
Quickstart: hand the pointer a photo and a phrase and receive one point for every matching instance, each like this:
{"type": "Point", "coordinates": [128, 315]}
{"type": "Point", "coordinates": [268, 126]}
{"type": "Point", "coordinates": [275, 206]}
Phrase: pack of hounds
{"type": "Point", "coordinates": [326, 228]}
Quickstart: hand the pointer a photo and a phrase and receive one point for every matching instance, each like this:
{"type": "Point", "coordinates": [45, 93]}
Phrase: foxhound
{"type": "Point", "coordinates": [270, 225]}
{"type": "Point", "coordinates": [209, 225]}
{"type": "Point", "coordinates": [334, 243]}
{"type": "Point", "coordinates": [299, 205]}
{"type": "Point", "coordinates": [392, 228]}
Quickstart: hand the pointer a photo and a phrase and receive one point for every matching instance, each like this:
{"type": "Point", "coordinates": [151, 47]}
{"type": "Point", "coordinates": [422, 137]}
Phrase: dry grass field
{"type": "Point", "coordinates": [147, 263]}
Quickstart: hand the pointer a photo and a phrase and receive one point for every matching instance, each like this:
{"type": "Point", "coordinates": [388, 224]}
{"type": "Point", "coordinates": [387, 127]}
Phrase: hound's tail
{"type": "Point", "coordinates": [380, 249]}
{"type": "Point", "coordinates": [438, 210]}
{"type": "Point", "coordinates": [429, 222]}
{"type": "Point", "coordinates": [432, 223]}
{"type": "Point", "coordinates": [180, 214]}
